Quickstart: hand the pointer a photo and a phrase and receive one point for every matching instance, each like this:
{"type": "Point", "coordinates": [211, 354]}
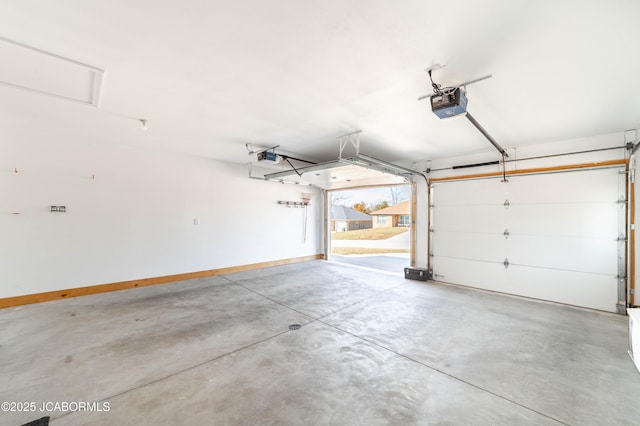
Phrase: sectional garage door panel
{"type": "Point", "coordinates": [591, 255]}
{"type": "Point", "coordinates": [465, 219]}
{"type": "Point", "coordinates": [476, 246]}
{"type": "Point", "coordinates": [567, 219]}
{"type": "Point", "coordinates": [471, 192]}
{"type": "Point", "coordinates": [472, 273]}
{"type": "Point", "coordinates": [576, 186]}
{"type": "Point", "coordinates": [568, 287]}
{"type": "Point", "coordinates": [549, 236]}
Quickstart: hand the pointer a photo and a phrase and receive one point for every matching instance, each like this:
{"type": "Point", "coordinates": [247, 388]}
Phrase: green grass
{"type": "Point", "coordinates": [368, 234]}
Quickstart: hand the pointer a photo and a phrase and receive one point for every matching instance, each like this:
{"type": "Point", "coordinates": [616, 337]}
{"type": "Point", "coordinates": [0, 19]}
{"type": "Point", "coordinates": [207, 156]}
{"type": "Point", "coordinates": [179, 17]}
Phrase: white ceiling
{"type": "Point", "coordinates": [210, 76]}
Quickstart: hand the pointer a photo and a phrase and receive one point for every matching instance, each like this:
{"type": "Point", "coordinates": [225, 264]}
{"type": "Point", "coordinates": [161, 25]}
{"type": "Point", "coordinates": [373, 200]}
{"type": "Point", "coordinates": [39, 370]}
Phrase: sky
{"type": "Point", "coordinates": [370, 195]}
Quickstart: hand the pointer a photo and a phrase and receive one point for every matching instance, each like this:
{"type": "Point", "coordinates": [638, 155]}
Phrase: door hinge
{"type": "Point", "coordinates": [506, 234]}
{"type": "Point", "coordinates": [506, 263]}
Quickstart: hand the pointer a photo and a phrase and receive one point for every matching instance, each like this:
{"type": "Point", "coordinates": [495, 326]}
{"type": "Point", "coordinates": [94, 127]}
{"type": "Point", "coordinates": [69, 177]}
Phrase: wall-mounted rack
{"type": "Point", "coordinates": [296, 204]}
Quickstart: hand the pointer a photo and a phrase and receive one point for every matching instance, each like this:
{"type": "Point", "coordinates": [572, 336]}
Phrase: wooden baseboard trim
{"type": "Point", "coordinates": [144, 282]}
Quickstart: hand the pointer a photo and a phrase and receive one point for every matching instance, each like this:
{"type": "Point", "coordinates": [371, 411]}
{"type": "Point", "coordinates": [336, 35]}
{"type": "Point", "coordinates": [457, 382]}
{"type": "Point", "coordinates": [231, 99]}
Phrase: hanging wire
{"type": "Point", "coordinates": [438, 89]}
{"type": "Point", "coordinates": [436, 86]}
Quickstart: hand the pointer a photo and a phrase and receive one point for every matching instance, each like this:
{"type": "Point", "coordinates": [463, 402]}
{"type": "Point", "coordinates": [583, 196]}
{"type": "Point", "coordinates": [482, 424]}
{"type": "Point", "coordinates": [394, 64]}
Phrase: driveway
{"type": "Point", "coordinates": [402, 241]}
{"type": "Point", "coordinates": [392, 262]}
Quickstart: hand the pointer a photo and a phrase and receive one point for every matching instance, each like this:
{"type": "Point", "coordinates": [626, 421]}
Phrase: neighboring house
{"type": "Point", "coordinates": [346, 219]}
{"type": "Point", "coordinates": [392, 216]}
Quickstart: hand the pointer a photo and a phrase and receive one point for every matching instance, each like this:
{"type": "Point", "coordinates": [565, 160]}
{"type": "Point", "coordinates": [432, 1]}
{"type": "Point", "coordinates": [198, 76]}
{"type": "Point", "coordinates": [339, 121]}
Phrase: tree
{"type": "Point", "coordinates": [398, 194]}
{"type": "Point", "coordinates": [378, 206]}
{"type": "Point", "coordinates": [339, 198]}
{"type": "Point", "coordinates": [361, 207]}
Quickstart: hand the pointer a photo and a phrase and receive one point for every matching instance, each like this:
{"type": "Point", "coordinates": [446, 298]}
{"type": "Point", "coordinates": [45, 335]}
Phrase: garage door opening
{"type": "Point", "coordinates": [359, 172]}
{"type": "Point", "coordinates": [371, 227]}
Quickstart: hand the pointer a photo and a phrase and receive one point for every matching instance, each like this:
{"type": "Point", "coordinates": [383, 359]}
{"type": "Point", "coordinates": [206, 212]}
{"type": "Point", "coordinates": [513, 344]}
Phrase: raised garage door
{"type": "Point", "coordinates": [555, 236]}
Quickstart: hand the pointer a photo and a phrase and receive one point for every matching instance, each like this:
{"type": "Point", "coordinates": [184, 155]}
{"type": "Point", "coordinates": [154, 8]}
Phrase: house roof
{"type": "Point", "coordinates": [400, 208]}
{"type": "Point", "coordinates": [346, 213]}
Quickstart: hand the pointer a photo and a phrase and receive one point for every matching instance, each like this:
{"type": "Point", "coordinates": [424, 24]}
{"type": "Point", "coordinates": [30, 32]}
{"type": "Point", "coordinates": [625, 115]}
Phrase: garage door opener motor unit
{"type": "Point", "coordinates": [449, 104]}
{"type": "Point", "coordinates": [452, 101]}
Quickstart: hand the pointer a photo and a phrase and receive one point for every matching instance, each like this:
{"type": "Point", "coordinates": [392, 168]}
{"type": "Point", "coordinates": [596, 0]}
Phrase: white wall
{"type": "Point", "coordinates": [136, 218]}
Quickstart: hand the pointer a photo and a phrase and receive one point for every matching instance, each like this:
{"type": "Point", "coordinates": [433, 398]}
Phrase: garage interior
{"type": "Point", "coordinates": [165, 170]}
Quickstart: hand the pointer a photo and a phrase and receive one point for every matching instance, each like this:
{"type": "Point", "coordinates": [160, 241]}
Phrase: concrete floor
{"type": "Point", "coordinates": [373, 349]}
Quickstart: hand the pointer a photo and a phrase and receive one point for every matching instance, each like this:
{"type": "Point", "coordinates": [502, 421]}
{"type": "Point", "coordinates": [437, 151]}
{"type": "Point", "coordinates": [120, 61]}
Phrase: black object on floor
{"type": "Point", "coordinates": [420, 274]}
{"type": "Point", "coordinates": [44, 421]}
